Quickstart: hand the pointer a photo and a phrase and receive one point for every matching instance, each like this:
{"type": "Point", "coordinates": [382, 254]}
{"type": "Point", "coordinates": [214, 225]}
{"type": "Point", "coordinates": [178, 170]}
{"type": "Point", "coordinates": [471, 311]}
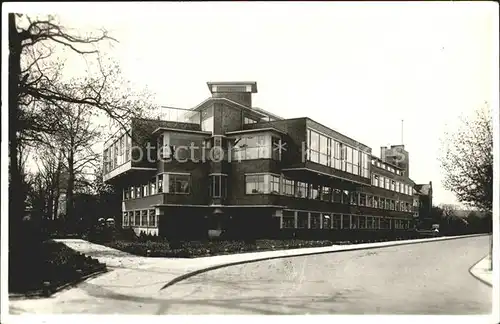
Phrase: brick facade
{"type": "Point", "coordinates": [214, 194]}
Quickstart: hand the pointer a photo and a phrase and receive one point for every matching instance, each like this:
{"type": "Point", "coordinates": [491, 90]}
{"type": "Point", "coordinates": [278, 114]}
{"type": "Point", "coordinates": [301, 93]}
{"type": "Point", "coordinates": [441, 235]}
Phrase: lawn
{"type": "Point", "coordinates": [47, 262]}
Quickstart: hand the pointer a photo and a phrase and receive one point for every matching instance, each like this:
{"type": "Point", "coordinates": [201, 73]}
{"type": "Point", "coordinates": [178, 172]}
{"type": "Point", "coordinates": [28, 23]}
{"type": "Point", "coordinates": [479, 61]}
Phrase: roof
{"type": "Point", "coordinates": [267, 113]}
{"type": "Point", "coordinates": [256, 130]}
{"type": "Point", "coordinates": [169, 129]}
{"type": "Point", "coordinates": [252, 84]}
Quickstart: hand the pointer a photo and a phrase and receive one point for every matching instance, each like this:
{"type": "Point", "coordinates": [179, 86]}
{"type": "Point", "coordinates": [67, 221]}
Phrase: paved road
{"type": "Point", "coordinates": [407, 279]}
{"type": "Point", "coordinates": [428, 278]}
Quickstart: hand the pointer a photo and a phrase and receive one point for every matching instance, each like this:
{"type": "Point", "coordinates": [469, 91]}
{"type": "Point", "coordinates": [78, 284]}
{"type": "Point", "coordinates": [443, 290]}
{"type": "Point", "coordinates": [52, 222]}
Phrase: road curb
{"type": "Point", "coordinates": [471, 271]}
{"type": "Point", "coordinates": [41, 294]}
{"type": "Point", "coordinates": [224, 265]}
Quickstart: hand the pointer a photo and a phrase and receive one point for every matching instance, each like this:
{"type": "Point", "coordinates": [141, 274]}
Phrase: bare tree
{"type": "Point", "coordinates": [36, 83]}
{"type": "Point", "coordinates": [467, 161]}
{"type": "Point", "coordinates": [76, 136]}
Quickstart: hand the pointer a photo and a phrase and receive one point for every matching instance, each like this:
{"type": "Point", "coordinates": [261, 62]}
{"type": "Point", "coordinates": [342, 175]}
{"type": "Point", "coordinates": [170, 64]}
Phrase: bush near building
{"type": "Point", "coordinates": [195, 249]}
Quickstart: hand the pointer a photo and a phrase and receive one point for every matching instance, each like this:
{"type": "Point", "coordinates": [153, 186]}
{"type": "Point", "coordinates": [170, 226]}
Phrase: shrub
{"type": "Point", "coordinates": [53, 262]}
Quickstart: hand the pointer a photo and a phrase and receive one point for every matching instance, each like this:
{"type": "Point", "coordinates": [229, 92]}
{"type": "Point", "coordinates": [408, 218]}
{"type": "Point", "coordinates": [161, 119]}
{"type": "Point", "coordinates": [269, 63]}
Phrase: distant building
{"type": "Point", "coordinates": [253, 172]}
{"type": "Point", "coordinates": [424, 194]}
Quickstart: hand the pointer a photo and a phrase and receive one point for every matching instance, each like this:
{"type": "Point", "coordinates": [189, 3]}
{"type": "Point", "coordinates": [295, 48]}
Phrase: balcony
{"type": "Point", "coordinates": [178, 115]}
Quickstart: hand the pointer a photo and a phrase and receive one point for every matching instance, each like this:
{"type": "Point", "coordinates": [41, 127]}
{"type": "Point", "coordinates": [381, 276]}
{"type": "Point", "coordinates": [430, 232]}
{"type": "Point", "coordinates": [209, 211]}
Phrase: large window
{"type": "Point", "coordinates": [324, 150]}
{"type": "Point", "coordinates": [327, 221]}
{"type": "Point", "coordinates": [337, 196]}
{"type": "Point", "coordinates": [182, 147]}
{"type": "Point", "coordinates": [381, 182]}
{"type": "Point", "coordinates": [349, 159]}
{"type": "Point", "coordinates": [255, 147]}
{"type": "Point", "coordinates": [369, 222]}
{"type": "Point", "coordinates": [354, 221]}
{"type": "Point", "coordinates": [362, 199]}
{"type": "Point", "coordinates": [274, 184]}
{"type": "Point", "coordinates": [302, 219]}
{"type": "Point", "coordinates": [345, 197]}
{"type": "Point", "coordinates": [337, 155]}
{"type": "Point", "coordinates": [262, 184]}
{"type": "Point", "coordinates": [288, 219]}
{"type": "Point", "coordinates": [365, 165]}
{"type": "Point", "coordinates": [179, 183]}
{"type": "Point", "coordinates": [314, 193]}
{"type": "Point", "coordinates": [301, 190]}
{"type": "Point", "coordinates": [375, 180]}
{"type": "Point", "coordinates": [355, 162]}
{"type": "Point", "coordinates": [160, 183]}
{"type": "Point", "coordinates": [313, 145]}
{"type": "Point", "coordinates": [218, 186]}
{"type": "Point", "coordinates": [315, 220]}
{"type": "Point", "coordinates": [125, 219]}
{"type": "Point", "coordinates": [337, 221]}
{"type": "Point", "coordinates": [144, 218]}
{"type": "Point", "coordinates": [131, 217]}
{"type": "Point", "coordinates": [152, 186]}
{"type": "Point", "coordinates": [353, 198]}
{"type": "Point", "coordinates": [362, 222]}
{"type": "Point", "coordinates": [326, 194]}
{"type": "Point", "coordinates": [288, 187]}
{"type": "Point", "coordinates": [327, 151]}
{"type": "Point", "coordinates": [152, 218]}
{"type": "Point", "coordinates": [117, 153]}
{"type": "Point", "coordinates": [346, 221]}
{"type": "Point", "coordinates": [207, 120]}
{"type": "Point", "coordinates": [137, 218]}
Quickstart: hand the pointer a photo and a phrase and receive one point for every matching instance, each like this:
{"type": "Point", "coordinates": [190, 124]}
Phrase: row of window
{"type": "Point", "coordinates": [327, 151]}
{"type": "Point", "coordinates": [250, 147]}
{"type": "Point", "coordinates": [393, 185]}
{"type": "Point", "coordinates": [182, 147]}
{"type": "Point", "coordinates": [315, 220]}
{"type": "Point", "coordinates": [273, 184]}
{"type": "Point", "coordinates": [142, 218]}
{"type": "Point", "coordinates": [386, 167]}
{"type": "Point", "coordinates": [247, 120]}
{"type": "Point", "coordinates": [117, 153]}
{"type": "Point", "coordinates": [174, 184]}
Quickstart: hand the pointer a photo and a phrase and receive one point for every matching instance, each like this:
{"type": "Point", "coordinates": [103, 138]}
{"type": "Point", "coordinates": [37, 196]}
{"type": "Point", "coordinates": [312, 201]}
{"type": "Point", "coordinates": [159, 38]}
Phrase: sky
{"type": "Point", "coordinates": [357, 68]}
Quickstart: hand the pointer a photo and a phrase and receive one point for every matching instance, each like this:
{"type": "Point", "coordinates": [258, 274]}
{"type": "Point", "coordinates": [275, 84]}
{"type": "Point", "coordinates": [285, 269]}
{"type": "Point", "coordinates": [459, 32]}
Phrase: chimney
{"type": "Point", "coordinates": [237, 91]}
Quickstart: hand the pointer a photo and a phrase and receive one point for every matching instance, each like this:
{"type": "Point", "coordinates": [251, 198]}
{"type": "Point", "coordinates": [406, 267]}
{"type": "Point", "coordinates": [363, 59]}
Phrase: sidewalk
{"type": "Point", "coordinates": [135, 280]}
{"type": "Point", "coordinates": [482, 272]}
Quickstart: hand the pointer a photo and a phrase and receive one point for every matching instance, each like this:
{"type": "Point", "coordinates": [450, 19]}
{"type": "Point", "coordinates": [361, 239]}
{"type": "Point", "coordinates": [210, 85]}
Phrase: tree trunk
{"type": "Point", "coordinates": [69, 190]}
{"type": "Point", "coordinates": [57, 194]}
{"type": "Point", "coordinates": [16, 199]}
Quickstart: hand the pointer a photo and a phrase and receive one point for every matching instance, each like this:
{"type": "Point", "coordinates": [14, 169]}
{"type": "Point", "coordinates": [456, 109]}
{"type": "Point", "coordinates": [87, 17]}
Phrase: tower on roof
{"type": "Point", "coordinates": [238, 91]}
